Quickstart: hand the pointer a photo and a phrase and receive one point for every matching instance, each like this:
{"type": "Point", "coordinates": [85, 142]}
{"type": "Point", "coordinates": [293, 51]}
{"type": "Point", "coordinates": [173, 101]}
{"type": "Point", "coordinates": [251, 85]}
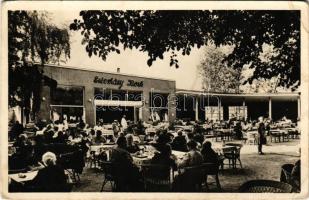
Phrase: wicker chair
{"type": "Point", "coordinates": [107, 167]}
{"type": "Point", "coordinates": [234, 155]}
{"type": "Point", "coordinates": [157, 178]}
{"type": "Point", "coordinates": [265, 186]}
{"type": "Point", "coordinates": [211, 169]}
{"type": "Point", "coordinates": [191, 179]}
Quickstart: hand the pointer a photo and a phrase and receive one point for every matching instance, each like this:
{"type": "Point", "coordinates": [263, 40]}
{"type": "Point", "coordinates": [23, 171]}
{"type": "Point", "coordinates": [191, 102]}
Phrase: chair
{"type": "Point", "coordinates": [93, 159]}
{"type": "Point", "coordinates": [157, 178]}
{"type": "Point", "coordinates": [234, 154]}
{"type": "Point", "coordinates": [73, 163]}
{"type": "Point", "coordinates": [251, 139]}
{"type": "Point", "coordinates": [275, 135]}
{"type": "Point", "coordinates": [107, 167]}
{"type": "Point", "coordinates": [286, 176]}
{"type": "Point", "coordinates": [265, 186]}
{"type": "Point", "coordinates": [192, 179]}
{"type": "Point", "coordinates": [211, 169]}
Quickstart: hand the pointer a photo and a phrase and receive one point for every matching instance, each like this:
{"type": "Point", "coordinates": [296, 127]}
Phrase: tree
{"type": "Point", "coordinates": [158, 32]}
{"type": "Point", "coordinates": [216, 75]}
{"type": "Point", "coordinates": [31, 38]}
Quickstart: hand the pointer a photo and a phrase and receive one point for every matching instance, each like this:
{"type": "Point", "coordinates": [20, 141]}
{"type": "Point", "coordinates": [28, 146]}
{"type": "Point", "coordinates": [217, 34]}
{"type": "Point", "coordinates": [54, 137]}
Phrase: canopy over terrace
{"type": "Point", "coordinates": [199, 105]}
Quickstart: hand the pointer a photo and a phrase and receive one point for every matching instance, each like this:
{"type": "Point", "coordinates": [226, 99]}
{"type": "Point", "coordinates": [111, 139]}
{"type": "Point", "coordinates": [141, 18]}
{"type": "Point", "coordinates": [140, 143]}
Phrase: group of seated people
{"type": "Point", "coordinates": [128, 177]}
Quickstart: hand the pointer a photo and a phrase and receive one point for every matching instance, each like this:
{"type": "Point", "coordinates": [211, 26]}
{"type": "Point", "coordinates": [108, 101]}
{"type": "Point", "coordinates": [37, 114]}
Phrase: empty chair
{"type": "Point", "coordinates": [234, 155]}
{"type": "Point", "coordinates": [107, 168]}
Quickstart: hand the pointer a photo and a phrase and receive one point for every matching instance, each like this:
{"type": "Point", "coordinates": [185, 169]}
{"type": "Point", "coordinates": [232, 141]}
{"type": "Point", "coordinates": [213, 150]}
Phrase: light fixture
{"type": "Point", "coordinates": [43, 98]}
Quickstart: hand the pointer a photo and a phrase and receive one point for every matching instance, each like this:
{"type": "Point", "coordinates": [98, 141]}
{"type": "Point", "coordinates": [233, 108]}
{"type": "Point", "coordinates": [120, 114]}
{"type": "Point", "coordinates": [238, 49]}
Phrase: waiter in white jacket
{"type": "Point", "coordinates": [124, 123]}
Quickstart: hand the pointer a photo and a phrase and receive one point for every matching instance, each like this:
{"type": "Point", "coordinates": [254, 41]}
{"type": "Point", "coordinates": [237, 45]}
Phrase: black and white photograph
{"type": "Point", "coordinates": [155, 99]}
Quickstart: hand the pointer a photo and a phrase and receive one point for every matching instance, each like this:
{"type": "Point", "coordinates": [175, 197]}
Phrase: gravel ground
{"type": "Point", "coordinates": [255, 166]}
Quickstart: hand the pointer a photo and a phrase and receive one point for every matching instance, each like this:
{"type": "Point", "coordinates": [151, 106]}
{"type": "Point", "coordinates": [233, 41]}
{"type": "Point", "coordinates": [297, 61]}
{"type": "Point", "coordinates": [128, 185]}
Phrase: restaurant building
{"type": "Point", "coordinates": [199, 105]}
{"type": "Point", "coordinates": [93, 96]}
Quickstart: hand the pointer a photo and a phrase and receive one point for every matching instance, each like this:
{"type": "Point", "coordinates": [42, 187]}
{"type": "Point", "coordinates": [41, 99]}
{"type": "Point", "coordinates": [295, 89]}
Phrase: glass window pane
{"type": "Point", "coordinates": [67, 95]}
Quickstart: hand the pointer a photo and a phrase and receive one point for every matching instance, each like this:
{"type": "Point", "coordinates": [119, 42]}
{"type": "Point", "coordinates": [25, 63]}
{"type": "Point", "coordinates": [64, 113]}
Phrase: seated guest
{"type": "Point", "coordinates": [190, 136]}
{"type": "Point", "coordinates": [150, 137]}
{"type": "Point", "coordinates": [91, 135]}
{"type": "Point", "coordinates": [38, 148]}
{"type": "Point", "coordinates": [99, 138]}
{"type": "Point", "coordinates": [51, 178]}
{"type": "Point", "coordinates": [164, 157]}
{"type": "Point", "coordinates": [24, 150]}
{"type": "Point", "coordinates": [48, 135]}
{"type": "Point", "coordinates": [184, 181]}
{"type": "Point", "coordinates": [126, 174]}
{"type": "Point", "coordinates": [179, 142]}
{"type": "Point", "coordinates": [131, 147]}
{"type": "Point", "coordinates": [16, 130]}
{"type": "Point", "coordinates": [209, 155]}
{"type": "Point", "coordinates": [198, 137]}
{"type": "Point", "coordinates": [60, 138]}
{"type": "Point", "coordinates": [192, 157]}
{"type": "Point", "coordinates": [238, 131]}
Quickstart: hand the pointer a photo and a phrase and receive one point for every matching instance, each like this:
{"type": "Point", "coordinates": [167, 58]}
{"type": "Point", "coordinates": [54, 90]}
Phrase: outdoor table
{"type": "Point", "coordinates": [278, 134]}
{"type": "Point", "coordinates": [186, 128]}
{"type": "Point", "coordinates": [150, 130]}
{"type": "Point", "coordinates": [99, 148]}
{"type": "Point", "coordinates": [107, 132]}
{"type": "Point", "coordinates": [223, 133]}
{"type": "Point", "coordinates": [28, 176]}
{"type": "Point", "coordinates": [220, 149]}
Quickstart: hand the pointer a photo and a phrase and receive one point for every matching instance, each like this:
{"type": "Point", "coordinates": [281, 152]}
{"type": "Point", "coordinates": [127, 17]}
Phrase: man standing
{"type": "Point", "coordinates": [124, 123]}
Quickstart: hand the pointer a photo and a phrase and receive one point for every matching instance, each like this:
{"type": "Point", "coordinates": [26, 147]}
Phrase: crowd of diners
{"type": "Point", "coordinates": [127, 137]}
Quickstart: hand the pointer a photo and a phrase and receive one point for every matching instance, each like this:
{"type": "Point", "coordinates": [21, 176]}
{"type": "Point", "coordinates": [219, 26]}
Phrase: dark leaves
{"type": "Point", "coordinates": [157, 32]}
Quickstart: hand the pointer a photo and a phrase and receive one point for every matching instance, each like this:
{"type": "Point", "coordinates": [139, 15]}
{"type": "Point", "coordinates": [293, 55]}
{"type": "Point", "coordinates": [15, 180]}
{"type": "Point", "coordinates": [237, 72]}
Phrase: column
{"type": "Point", "coordinates": [298, 108]}
{"type": "Point", "coordinates": [269, 109]}
{"type": "Point", "coordinates": [219, 108]}
{"type": "Point", "coordinates": [244, 109]}
{"type": "Point", "coordinates": [196, 109]}
{"type": "Point", "coordinates": [89, 105]}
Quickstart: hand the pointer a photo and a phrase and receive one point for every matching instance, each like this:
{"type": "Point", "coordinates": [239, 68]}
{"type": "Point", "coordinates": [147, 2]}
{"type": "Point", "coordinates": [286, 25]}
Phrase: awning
{"type": "Point", "coordinates": [118, 103]}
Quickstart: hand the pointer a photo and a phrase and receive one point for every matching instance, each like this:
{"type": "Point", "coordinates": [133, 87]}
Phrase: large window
{"type": "Point", "coordinates": [102, 94]}
{"type": "Point", "coordinates": [158, 106]}
{"type": "Point", "coordinates": [119, 95]}
{"type": "Point", "coordinates": [158, 100]}
{"type": "Point", "coordinates": [67, 102]}
{"type": "Point", "coordinates": [212, 113]}
{"type": "Point", "coordinates": [135, 96]}
{"type": "Point", "coordinates": [67, 95]}
{"type": "Point", "coordinates": [238, 112]}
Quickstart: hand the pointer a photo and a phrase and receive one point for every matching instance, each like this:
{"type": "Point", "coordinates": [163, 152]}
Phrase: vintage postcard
{"type": "Point", "coordinates": [154, 100]}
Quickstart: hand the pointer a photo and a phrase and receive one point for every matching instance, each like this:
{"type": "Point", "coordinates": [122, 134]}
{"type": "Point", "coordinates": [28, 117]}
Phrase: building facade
{"type": "Point", "coordinates": [93, 96]}
{"type": "Point", "coordinates": [197, 105]}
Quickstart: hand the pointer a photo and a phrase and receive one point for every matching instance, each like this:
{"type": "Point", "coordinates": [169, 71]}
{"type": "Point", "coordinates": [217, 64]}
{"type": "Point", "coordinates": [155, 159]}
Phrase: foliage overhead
{"type": "Point", "coordinates": [216, 75]}
{"type": "Point", "coordinates": [31, 38]}
{"type": "Point", "coordinates": [159, 31]}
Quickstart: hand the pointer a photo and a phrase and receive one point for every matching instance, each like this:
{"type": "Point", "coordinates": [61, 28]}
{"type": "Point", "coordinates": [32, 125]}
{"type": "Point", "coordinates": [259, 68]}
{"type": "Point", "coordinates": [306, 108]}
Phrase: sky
{"type": "Point", "coordinates": [131, 61]}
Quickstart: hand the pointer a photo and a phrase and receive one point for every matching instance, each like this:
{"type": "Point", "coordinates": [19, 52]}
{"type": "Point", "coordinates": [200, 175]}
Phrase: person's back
{"type": "Point", "coordinates": [180, 143]}
{"type": "Point", "coordinates": [126, 174]}
{"type": "Point", "coordinates": [193, 157]}
{"type": "Point", "coordinates": [209, 155]}
{"type": "Point", "coordinates": [51, 178]}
